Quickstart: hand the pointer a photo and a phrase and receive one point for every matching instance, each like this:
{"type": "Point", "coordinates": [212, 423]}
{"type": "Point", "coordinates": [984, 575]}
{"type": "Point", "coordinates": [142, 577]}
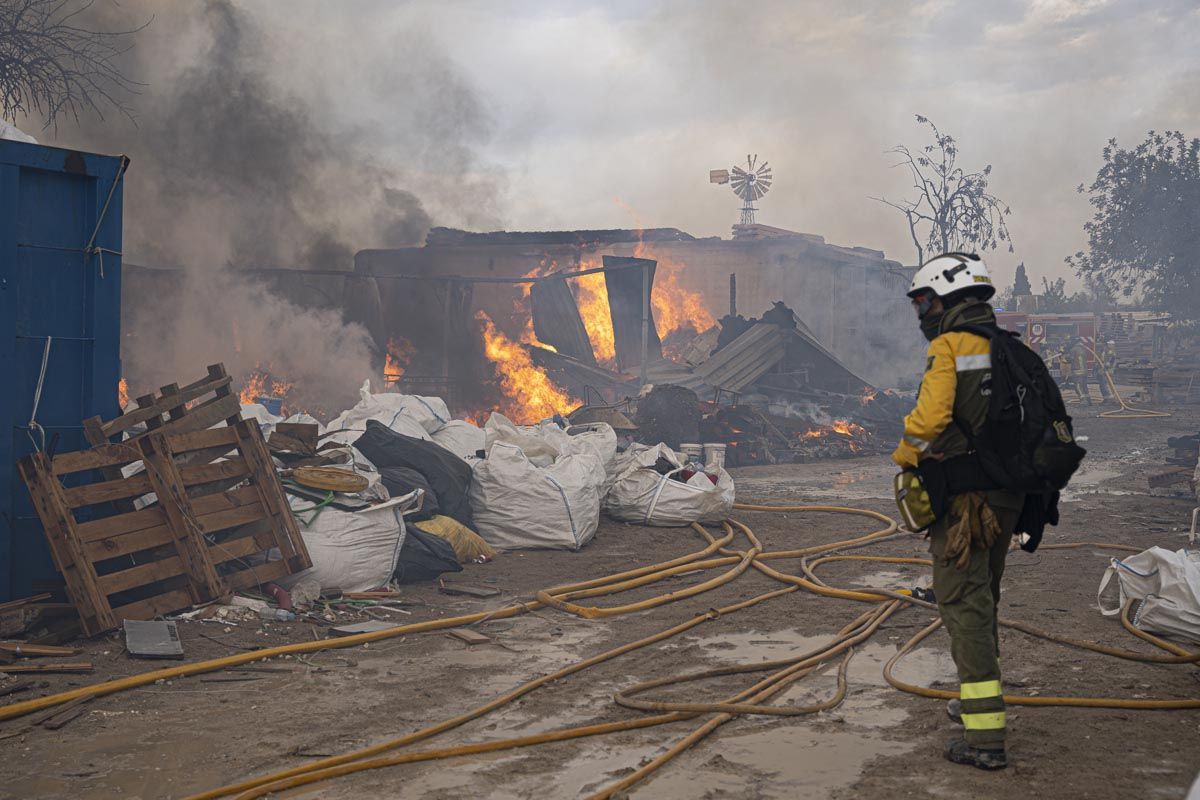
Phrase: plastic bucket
{"type": "Point", "coordinates": [714, 455]}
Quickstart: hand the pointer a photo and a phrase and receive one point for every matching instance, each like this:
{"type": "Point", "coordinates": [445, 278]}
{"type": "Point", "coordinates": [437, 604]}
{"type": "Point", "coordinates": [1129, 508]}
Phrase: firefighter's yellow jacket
{"type": "Point", "coordinates": [957, 382]}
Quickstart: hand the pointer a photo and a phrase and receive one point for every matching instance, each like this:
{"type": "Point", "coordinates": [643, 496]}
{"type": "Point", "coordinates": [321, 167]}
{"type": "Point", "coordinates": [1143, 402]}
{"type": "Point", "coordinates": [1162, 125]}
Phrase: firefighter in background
{"type": "Point", "coordinates": [1106, 365]}
{"type": "Point", "coordinates": [970, 542]}
{"type": "Point", "coordinates": [1078, 356]}
{"type": "Point", "coordinates": [1059, 359]}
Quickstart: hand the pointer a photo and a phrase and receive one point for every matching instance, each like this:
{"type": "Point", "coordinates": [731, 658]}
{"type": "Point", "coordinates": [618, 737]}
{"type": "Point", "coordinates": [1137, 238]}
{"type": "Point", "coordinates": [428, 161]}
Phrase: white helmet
{"type": "Point", "coordinates": [953, 272]}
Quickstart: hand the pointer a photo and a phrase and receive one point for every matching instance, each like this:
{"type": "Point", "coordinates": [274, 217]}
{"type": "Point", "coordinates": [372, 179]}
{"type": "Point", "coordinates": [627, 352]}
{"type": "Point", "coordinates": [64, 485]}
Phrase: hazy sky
{"type": "Point", "coordinates": [610, 115]}
{"type": "Point", "coordinates": [592, 115]}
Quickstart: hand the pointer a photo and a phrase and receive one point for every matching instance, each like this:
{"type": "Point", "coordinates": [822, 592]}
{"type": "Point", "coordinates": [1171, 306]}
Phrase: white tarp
{"type": "Point", "coordinates": [409, 414]}
{"type": "Point", "coordinates": [15, 134]}
{"type": "Point", "coordinates": [517, 504]}
{"type": "Point", "coordinates": [640, 494]}
{"type": "Point", "coordinates": [1169, 584]}
{"type": "Point", "coordinates": [353, 551]}
{"type": "Point", "coordinates": [461, 438]}
{"type": "Point", "coordinates": [265, 419]}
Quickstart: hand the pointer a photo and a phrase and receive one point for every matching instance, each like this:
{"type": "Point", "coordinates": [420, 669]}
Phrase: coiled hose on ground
{"type": "Point", "coordinates": [717, 554]}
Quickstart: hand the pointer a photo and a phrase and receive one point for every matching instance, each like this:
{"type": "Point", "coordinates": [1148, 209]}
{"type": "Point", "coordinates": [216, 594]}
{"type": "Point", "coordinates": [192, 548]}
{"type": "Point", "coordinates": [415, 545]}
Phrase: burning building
{"type": "Point", "coordinates": [536, 323]}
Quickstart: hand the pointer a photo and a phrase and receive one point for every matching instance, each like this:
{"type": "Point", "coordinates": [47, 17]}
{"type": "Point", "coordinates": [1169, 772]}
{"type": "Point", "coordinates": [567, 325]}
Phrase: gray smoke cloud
{"type": "Point", "coordinates": [253, 145]}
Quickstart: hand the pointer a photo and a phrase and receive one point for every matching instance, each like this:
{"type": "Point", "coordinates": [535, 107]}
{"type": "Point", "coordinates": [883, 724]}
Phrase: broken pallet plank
{"type": "Point", "coordinates": [79, 666]}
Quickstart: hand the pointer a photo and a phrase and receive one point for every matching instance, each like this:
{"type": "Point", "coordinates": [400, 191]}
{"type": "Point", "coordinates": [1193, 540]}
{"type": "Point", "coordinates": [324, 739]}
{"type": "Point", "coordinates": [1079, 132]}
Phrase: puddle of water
{"type": "Point", "coordinates": [786, 761]}
{"type": "Point", "coordinates": [925, 664]}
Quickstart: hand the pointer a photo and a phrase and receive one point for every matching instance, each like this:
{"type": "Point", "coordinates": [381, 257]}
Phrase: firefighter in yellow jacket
{"type": "Point", "coordinates": [971, 539]}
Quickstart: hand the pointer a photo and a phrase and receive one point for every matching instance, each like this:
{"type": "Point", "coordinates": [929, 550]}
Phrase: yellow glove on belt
{"type": "Point", "coordinates": [916, 510]}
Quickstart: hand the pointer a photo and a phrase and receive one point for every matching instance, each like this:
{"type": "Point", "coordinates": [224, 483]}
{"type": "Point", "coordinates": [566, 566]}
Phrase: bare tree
{"type": "Point", "coordinates": [52, 65]}
{"type": "Point", "coordinates": [953, 209]}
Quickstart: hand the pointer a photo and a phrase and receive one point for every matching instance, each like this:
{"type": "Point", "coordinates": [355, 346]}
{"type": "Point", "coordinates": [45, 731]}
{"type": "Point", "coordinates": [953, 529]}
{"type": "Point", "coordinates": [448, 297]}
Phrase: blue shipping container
{"type": "Point", "coordinates": [60, 283]}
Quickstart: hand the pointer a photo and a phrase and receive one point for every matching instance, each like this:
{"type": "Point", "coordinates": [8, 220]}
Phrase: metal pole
{"type": "Point", "coordinates": [645, 319]}
{"type": "Point", "coordinates": [733, 294]}
{"type": "Point", "coordinates": [450, 287]}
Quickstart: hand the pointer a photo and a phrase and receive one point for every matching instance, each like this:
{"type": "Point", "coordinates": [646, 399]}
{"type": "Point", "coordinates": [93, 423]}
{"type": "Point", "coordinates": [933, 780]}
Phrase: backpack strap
{"type": "Point", "coordinates": [988, 332]}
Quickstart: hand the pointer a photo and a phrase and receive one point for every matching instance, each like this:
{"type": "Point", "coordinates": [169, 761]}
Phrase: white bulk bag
{"type": "Point", "coordinates": [517, 504]}
{"type": "Point", "coordinates": [1168, 582]}
{"type": "Point", "coordinates": [640, 494]}
{"type": "Point", "coordinates": [409, 414]}
{"type": "Point", "coordinates": [601, 437]}
{"type": "Point", "coordinates": [265, 419]}
{"type": "Point", "coordinates": [461, 438]}
{"type": "Point", "coordinates": [530, 438]}
{"type": "Point", "coordinates": [353, 551]}
{"type": "Point", "coordinates": [546, 441]}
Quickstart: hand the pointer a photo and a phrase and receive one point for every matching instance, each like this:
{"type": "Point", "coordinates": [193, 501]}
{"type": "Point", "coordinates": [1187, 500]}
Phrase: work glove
{"type": "Point", "coordinates": [916, 509]}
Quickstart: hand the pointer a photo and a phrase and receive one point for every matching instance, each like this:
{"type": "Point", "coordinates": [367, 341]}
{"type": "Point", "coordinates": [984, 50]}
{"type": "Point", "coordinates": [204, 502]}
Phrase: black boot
{"type": "Point", "coordinates": [954, 710]}
{"type": "Point", "coordinates": [958, 751]}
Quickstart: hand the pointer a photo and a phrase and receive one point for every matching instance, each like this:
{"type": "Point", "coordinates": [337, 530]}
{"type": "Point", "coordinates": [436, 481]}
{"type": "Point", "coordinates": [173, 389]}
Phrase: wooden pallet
{"type": "Point", "coordinates": [195, 407]}
{"type": "Point", "coordinates": [189, 547]}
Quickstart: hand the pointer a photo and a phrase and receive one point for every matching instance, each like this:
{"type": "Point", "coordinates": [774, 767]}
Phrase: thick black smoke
{"type": "Point", "coordinates": [238, 165]}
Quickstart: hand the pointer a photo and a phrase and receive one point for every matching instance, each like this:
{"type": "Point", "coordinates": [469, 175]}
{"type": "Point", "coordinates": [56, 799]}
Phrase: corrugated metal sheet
{"type": "Point", "coordinates": [52, 205]}
{"type": "Point", "coordinates": [747, 358]}
{"type": "Point", "coordinates": [625, 307]}
{"type": "Point", "coordinates": [556, 320]}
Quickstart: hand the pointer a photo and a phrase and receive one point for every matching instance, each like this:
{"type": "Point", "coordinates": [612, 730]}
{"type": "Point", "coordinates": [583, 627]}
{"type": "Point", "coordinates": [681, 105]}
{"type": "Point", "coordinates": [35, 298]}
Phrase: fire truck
{"type": "Point", "coordinates": [1050, 332]}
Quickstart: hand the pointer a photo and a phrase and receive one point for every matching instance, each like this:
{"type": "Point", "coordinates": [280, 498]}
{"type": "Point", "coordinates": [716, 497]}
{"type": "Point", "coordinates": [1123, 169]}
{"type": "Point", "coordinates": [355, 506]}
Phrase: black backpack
{"type": "Point", "coordinates": [1027, 443]}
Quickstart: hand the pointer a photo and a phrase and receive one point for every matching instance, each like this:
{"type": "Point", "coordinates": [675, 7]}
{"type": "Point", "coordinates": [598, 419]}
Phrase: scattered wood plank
{"type": "Point", "coordinates": [59, 711]}
{"type": "Point", "coordinates": [467, 589]}
{"type": "Point", "coordinates": [74, 667]}
{"type": "Point", "coordinates": [469, 636]}
{"type": "Point", "coordinates": [66, 715]}
{"type": "Point", "coordinates": [26, 650]}
{"type": "Point", "coordinates": [37, 598]}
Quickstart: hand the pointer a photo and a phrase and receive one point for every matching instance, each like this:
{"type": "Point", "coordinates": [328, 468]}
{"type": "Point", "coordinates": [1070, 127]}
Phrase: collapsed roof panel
{"type": "Point", "coordinates": [556, 320]}
{"type": "Point", "coordinates": [625, 299]}
{"type": "Point", "coordinates": [746, 359]}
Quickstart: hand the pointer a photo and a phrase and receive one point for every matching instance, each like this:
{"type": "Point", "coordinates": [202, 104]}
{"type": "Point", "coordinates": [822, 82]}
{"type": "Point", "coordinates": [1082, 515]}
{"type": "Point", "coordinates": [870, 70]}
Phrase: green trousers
{"type": "Point", "coordinates": [969, 600]}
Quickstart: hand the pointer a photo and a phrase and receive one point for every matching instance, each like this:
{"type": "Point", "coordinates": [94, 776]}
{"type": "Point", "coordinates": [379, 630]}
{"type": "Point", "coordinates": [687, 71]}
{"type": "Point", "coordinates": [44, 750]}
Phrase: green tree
{"type": "Point", "coordinates": [952, 209]}
{"type": "Point", "coordinates": [1145, 234]}
{"type": "Point", "coordinates": [1021, 281]}
{"type": "Point", "coordinates": [1054, 296]}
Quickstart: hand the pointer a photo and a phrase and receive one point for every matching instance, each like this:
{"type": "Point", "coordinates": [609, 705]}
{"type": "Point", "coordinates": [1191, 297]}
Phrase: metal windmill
{"type": "Point", "coordinates": [750, 184]}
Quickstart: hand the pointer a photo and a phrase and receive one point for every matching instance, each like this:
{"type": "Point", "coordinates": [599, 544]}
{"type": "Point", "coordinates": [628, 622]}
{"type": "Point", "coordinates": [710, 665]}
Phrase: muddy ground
{"type": "Point", "coordinates": [173, 739]}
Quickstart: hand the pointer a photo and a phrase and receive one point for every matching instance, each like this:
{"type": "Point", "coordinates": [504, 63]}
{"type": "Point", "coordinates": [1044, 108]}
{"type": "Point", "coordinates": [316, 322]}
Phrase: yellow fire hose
{"type": "Point", "coordinates": [749, 701]}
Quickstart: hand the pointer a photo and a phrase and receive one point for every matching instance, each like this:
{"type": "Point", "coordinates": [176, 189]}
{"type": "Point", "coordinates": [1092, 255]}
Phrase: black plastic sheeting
{"type": "Point", "coordinates": [447, 474]}
{"type": "Point", "coordinates": [424, 557]}
{"type": "Point", "coordinates": [400, 481]}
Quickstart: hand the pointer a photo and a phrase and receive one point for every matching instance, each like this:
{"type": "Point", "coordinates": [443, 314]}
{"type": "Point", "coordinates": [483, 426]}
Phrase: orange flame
{"type": "Point", "coordinates": [529, 394]}
{"type": "Point", "coordinates": [399, 353]}
{"type": "Point", "coordinates": [675, 307]}
{"type": "Point", "coordinates": [253, 387]}
{"type": "Point", "coordinates": [259, 382]}
{"type": "Point", "coordinates": [123, 392]}
{"type": "Point", "coordinates": [591, 295]}
{"type": "Point", "coordinates": [846, 428]}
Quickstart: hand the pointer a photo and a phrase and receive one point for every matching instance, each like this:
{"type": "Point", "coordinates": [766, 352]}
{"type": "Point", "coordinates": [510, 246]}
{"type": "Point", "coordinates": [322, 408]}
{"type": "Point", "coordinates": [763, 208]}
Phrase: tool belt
{"type": "Point", "coordinates": [947, 477]}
